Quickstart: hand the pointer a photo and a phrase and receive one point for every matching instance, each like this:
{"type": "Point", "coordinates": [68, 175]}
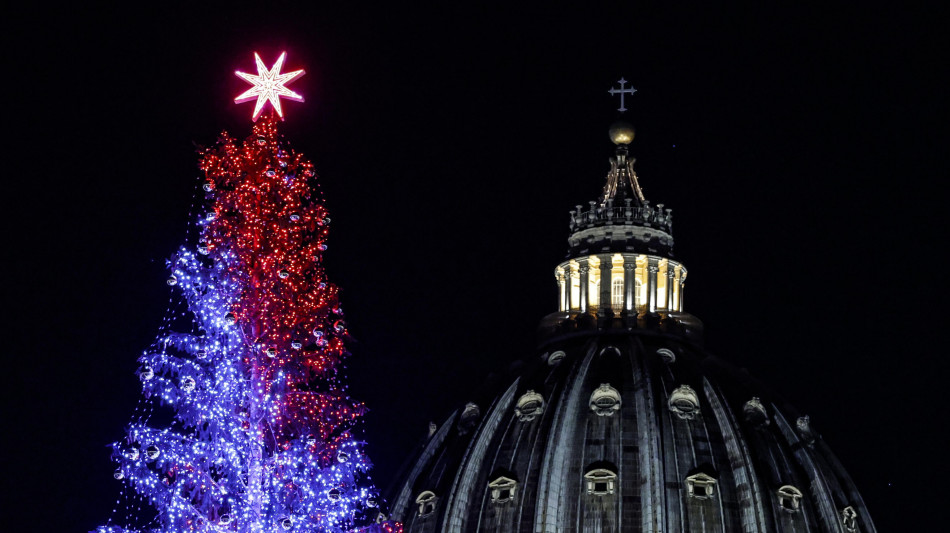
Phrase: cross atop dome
{"type": "Point", "coordinates": [622, 91]}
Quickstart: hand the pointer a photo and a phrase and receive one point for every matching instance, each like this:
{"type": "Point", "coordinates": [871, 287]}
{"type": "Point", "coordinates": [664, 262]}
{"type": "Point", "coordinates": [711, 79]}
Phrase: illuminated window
{"type": "Point", "coordinates": [593, 281]}
{"type": "Point", "coordinates": [616, 294]}
{"type": "Point", "coordinates": [639, 296]}
{"type": "Point", "coordinates": [617, 277]}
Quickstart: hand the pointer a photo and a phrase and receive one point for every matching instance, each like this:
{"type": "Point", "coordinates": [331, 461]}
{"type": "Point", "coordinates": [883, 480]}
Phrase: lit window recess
{"type": "Point", "coordinates": [616, 294]}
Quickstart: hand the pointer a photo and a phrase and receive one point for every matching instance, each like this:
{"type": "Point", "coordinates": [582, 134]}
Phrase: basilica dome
{"type": "Point", "coordinates": [621, 420]}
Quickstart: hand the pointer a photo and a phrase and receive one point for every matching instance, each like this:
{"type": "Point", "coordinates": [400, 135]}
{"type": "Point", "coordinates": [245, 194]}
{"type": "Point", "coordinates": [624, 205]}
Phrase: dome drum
{"type": "Point", "coordinates": [612, 396]}
{"type": "Point", "coordinates": [621, 284]}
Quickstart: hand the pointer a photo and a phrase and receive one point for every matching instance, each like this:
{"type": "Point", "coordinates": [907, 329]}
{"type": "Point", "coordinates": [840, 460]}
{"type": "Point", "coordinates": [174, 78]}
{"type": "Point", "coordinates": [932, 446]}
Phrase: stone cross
{"type": "Point", "coordinates": [621, 91]}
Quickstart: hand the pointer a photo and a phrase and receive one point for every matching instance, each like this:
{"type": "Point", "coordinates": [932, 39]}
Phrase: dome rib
{"type": "Point", "coordinates": [550, 514]}
{"type": "Point", "coordinates": [435, 442]}
{"type": "Point", "coordinates": [464, 486]}
{"type": "Point", "coordinates": [747, 487]}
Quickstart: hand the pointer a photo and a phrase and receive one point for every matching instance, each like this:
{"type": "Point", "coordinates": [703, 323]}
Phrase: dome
{"type": "Point", "coordinates": [628, 441]}
{"type": "Point", "coordinates": [620, 420]}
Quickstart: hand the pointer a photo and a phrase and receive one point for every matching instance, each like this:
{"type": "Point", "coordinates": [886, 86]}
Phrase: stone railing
{"type": "Point", "coordinates": [609, 214]}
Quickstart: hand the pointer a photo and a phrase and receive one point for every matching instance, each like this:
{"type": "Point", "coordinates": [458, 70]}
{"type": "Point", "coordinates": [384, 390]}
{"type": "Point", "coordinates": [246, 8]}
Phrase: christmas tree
{"type": "Point", "coordinates": [260, 435]}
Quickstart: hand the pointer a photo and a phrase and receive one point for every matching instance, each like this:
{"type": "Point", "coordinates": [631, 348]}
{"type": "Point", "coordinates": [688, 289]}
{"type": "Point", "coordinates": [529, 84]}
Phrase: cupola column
{"type": "Point", "coordinates": [606, 284]}
{"type": "Point", "coordinates": [652, 268]}
{"type": "Point", "coordinates": [629, 284]}
{"type": "Point", "coordinates": [585, 279]}
{"type": "Point", "coordinates": [562, 287]}
{"type": "Point", "coordinates": [569, 274]}
{"type": "Point", "coordinates": [682, 287]}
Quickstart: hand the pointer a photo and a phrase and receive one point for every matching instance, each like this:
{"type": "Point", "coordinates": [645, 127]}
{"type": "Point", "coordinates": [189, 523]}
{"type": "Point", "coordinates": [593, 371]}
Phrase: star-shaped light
{"type": "Point", "coordinates": [269, 86]}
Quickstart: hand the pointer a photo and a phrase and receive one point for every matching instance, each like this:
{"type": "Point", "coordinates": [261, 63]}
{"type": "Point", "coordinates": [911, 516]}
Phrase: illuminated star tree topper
{"type": "Point", "coordinates": [268, 86]}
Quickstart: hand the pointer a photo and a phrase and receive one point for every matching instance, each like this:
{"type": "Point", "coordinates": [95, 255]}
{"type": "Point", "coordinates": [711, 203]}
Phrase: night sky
{"type": "Point", "coordinates": [798, 149]}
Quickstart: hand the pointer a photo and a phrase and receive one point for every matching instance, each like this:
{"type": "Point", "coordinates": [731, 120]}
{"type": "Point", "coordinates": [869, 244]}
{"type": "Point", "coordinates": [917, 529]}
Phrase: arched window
{"type": "Point", "coordinates": [616, 294]}
{"type": "Point", "coordinates": [684, 402]}
{"type": "Point", "coordinates": [529, 406]}
{"type": "Point", "coordinates": [790, 498]}
{"type": "Point", "coordinates": [639, 299]}
{"type": "Point", "coordinates": [426, 502]}
{"type": "Point", "coordinates": [605, 400]}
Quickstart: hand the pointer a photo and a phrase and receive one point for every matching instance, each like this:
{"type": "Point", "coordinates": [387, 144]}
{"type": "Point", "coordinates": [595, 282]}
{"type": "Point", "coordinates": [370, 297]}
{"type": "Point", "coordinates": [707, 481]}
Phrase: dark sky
{"type": "Point", "coordinates": [797, 147]}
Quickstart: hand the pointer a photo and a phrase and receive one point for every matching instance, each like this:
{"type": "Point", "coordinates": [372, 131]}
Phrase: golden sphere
{"type": "Point", "coordinates": [621, 132]}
